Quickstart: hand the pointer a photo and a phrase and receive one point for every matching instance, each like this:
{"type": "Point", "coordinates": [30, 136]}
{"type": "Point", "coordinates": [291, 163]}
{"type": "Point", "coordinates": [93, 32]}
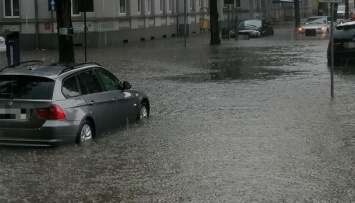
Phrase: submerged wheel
{"type": "Point", "coordinates": [143, 111]}
{"type": "Point", "coordinates": [85, 132]}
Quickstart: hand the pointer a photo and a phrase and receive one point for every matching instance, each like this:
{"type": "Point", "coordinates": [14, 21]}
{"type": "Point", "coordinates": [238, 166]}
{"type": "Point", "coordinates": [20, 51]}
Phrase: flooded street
{"type": "Point", "coordinates": [246, 121]}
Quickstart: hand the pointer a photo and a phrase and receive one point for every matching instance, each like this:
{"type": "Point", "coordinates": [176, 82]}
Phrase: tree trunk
{"type": "Point", "coordinates": [335, 12]}
{"type": "Point", "coordinates": [346, 10]}
{"type": "Point", "coordinates": [65, 32]}
{"type": "Point", "coordinates": [215, 40]}
{"type": "Point", "coordinates": [297, 14]}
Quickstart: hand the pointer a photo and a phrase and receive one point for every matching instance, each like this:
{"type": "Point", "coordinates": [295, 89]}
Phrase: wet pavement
{"type": "Point", "coordinates": [246, 121]}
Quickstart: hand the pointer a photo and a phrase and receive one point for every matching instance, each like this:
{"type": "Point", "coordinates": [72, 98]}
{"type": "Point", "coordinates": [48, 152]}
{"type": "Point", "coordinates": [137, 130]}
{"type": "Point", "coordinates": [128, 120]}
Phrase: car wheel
{"type": "Point", "coordinates": [336, 62]}
{"type": "Point", "coordinates": [143, 111]}
{"type": "Point", "coordinates": [85, 132]}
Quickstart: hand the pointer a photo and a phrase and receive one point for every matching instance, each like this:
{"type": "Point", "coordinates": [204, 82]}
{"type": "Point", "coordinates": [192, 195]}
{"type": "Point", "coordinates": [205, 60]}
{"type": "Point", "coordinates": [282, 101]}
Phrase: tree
{"type": "Point", "coordinates": [65, 40]}
{"type": "Point", "coordinates": [346, 9]}
{"type": "Point", "coordinates": [297, 14]}
{"type": "Point", "coordinates": [215, 40]}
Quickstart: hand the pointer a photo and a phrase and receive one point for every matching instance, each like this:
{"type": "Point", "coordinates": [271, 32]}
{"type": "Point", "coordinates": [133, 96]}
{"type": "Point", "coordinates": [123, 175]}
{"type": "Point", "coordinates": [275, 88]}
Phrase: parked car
{"type": "Point", "coordinates": [315, 24]}
{"type": "Point", "coordinates": [344, 43]}
{"type": "Point", "coordinates": [2, 44]}
{"type": "Point", "coordinates": [44, 105]}
{"type": "Point", "coordinates": [254, 28]}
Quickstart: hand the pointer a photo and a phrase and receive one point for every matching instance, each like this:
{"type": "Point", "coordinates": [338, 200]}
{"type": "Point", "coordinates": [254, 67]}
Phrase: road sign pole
{"type": "Point", "coordinates": [85, 37]}
{"type": "Point", "coordinates": [332, 52]}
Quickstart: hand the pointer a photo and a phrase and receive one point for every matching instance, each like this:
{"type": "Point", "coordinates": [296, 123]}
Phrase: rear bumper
{"type": "Point", "coordinates": [50, 134]}
{"type": "Point", "coordinates": [343, 54]}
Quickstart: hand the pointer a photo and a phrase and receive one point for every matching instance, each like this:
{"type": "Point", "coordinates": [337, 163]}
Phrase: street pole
{"type": "Point", "coordinates": [85, 30]}
{"type": "Point", "coordinates": [332, 52]}
{"type": "Point", "coordinates": [36, 24]}
{"type": "Point", "coordinates": [185, 22]}
{"type": "Point", "coordinates": [228, 20]}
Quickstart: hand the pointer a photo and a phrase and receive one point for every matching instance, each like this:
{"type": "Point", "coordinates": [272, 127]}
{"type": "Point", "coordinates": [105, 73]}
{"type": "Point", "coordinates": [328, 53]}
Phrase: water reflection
{"type": "Point", "coordinates": [246, 64]}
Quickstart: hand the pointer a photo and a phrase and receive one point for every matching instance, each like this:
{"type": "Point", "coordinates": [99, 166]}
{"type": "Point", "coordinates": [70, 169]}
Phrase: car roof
{"type": "Point", "coordinates": [44, 70]}
{"type": "Point", "coordinates": [346, 23]}
{"type": "Point", "coordinates": [318, 16]}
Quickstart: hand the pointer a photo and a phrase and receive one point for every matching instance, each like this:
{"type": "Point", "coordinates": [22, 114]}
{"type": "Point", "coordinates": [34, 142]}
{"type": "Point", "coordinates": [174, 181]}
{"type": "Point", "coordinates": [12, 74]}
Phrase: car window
{"type": "Point", "coordinates": [109, 80]}
{"type": "Point", "coordinates": [82, 86]}
{"type": "Point", "coordinates": [344, 31]}
{"type": "Point", "coordinates": [91, 81]}
{"type": "Point", "coordinates": [70, 87]}
{"type": "Point", "coordinates": [25, 87]}
{"type": "Point", "coordinates": [316, 20]}
{"type": "Point", "coordinates": [250, 23]}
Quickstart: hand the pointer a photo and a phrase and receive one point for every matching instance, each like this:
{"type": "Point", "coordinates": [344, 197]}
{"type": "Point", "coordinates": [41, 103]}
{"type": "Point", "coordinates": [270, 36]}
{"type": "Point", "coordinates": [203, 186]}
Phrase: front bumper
{"type": "Point", "coordinates": [50, 134]}
{"type": "Point", "coordinates": [318, 31]}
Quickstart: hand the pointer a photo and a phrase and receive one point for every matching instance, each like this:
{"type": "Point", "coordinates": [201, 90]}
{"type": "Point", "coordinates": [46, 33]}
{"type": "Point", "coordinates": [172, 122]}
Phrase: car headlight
{"type": "Point", "coordinates": [255, 33]}
{"type": "Point", "coordinates": [300, 28]}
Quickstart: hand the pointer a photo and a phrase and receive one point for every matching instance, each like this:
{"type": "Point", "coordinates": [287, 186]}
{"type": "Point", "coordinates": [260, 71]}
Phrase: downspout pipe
{"type": "Point", "coordinates": [36, 24]}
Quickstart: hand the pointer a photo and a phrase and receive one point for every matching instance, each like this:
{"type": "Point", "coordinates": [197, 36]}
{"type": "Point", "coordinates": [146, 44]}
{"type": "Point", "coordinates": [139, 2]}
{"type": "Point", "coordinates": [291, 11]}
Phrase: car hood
{"type": "Point", "coordinates": [250, 28]}
{"type": "Point", "coordinates": [246, 31]}
{"type": "Point", "coordinates": [315, 26]}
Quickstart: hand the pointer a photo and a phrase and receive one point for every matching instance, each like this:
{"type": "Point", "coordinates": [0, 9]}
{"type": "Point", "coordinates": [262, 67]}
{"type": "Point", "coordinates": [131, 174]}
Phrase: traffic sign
{"type": "Point", "coordinates": [330, 1]}
{"type": "Point", "coordinates": [51, 5]}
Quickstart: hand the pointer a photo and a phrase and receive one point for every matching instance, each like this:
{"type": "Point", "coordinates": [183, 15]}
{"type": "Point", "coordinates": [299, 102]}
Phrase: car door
{"type": "Point", "coordinates": [123, 107]}
{"type": "Point", "coordinates": [99, 100]}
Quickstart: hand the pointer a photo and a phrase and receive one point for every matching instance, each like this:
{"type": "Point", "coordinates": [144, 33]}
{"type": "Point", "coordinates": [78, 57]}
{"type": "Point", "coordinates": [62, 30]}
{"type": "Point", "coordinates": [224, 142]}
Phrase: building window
{"type": "Point", "coordinates": [238, 3]}
{"type": "Point", "coordinates": [139, 6]}
{"type": "Point", "coordinates": [123, 6]}
{"type": "Point", "coordinates": [161, 5]}
{"type": "Point", "coordinates": [75, 8]}
{"type": "Point", "coordinates": [199, 3]}
{"type": "Point", "coordinates": [149, 6]}
{"type": "Point", "coordinates": [191, 4]}
{"type": "Point", "coordinates": [11, 8]}
{"type": "Point", "coordinates": [170, 5]}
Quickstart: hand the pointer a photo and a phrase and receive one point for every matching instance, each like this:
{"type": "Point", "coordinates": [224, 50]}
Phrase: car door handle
{"type": "Point", "coordinates": [92, 102]}
{"type": "Point", "coordinates": [114, 99]}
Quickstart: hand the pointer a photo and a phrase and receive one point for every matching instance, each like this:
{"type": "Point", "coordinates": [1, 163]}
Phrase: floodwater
{"type": "Point", "coordinates": [246, 121]}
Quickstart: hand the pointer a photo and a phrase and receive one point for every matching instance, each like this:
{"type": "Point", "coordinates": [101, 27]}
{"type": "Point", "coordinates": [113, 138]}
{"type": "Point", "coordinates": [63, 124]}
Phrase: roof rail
{"type": "Point", "coordinates": [77, 65]}
{"type": "Point", "coordinates": [18, 64]}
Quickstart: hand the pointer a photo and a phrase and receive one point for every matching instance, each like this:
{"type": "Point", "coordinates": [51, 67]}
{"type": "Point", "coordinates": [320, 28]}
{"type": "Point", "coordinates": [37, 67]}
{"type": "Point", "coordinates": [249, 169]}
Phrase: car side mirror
{"type": "Point", "coordinates": [126, 85]}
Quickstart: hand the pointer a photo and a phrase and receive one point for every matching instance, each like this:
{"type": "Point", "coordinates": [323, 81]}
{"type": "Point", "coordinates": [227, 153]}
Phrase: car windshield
{"type": "Point", "coordinates": [25, 87]}
{"type": "Point", "coordinates": [316, 20]}
{"type": "Point", "coordinates": [250, 23]}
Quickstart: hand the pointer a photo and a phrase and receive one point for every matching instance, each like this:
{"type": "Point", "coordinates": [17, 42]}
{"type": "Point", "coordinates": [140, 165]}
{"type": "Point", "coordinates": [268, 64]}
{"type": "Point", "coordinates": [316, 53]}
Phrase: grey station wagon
{"type": "Point", "coordinates": [45, 105]}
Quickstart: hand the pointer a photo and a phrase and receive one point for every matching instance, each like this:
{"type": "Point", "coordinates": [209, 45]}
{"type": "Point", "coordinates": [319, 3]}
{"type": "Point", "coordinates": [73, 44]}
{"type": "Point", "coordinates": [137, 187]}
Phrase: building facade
{"type": "Point", "coordinates": [115, 22]}
{"type": "Point", "coordinates": [112, 23]}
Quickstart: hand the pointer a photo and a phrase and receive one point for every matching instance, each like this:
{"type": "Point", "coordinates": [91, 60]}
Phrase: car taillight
{"type": "Point", "coordinates": [53, 112]}
{"type": "Point", "coordinates": [336, 45]}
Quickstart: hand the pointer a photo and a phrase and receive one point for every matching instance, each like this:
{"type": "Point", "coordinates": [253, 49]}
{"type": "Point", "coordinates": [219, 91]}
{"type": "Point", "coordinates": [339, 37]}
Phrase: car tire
{"type": "Point", "coordinates": [85, 132]}
{"type": "Point", "coordinates": [336, 62]}
{"type": "Point", "coordinates": [143, 112]}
